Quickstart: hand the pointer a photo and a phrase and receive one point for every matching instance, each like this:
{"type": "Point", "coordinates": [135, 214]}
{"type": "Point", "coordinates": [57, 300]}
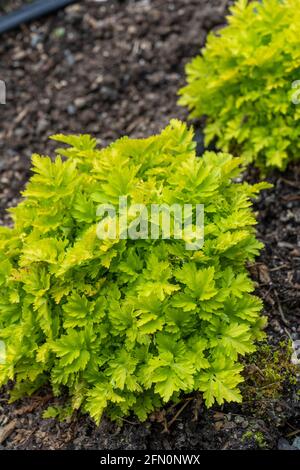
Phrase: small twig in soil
{"type": "Point", "coordinates": [35, 402]}
{"type": "Point", "coordinates": [285, 321]}
{"type": "Point", "coordinates": [169, 424]}
{"type": "Point", "coordinates": [294, 184]}
{"type": "Point", "coordinates": [288, 333]}
{"type": "Point", "coordinates": [267, 293]}
{"type": "Point", "coordinates": [290, 246]}
{"type": "Point", "coordinates": [282, 266]}
{"type": "Point", "coordinates": [293, 433]}
{"type": "Point", "coordinates": [270, 385]}
{"type": "Point", "coordinates": [197, 406]}
{"type": "Point", "coordinates": [127, 421]}
{"type": "Point", "coordinates": [7, 430]}
{"type": "Point", "coordinates": [291, 197]}
{"type": "Point", "coordinates": [254, 366]}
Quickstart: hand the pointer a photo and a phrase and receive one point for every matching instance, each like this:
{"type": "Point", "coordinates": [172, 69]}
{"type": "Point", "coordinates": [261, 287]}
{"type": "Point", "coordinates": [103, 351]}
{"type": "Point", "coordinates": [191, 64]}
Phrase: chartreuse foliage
{"type": "Point", "coordinates": [126, 325]}
{"type": "Point", "coordinates": [243, 82]}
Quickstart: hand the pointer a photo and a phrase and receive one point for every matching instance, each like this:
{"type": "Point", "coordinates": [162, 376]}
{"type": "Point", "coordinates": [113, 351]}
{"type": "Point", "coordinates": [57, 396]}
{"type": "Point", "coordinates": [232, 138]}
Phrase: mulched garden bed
{"type": "Point", "coordinates": [113, 68]}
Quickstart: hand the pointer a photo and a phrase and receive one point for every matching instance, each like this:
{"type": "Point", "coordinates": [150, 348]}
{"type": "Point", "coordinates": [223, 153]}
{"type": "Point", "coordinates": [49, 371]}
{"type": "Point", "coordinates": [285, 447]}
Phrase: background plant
{"type": "Point", "coordinates": [125, 325]}
{"type": "Point", "coordinates": [242, 82]}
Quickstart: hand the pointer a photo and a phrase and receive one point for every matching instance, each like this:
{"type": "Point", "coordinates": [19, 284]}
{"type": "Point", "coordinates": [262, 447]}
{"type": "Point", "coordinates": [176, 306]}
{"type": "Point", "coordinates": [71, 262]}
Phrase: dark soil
{"type": "Point", "coordinates": [114, 68]}
{"type": "Point", "coordinates": [7, 6]}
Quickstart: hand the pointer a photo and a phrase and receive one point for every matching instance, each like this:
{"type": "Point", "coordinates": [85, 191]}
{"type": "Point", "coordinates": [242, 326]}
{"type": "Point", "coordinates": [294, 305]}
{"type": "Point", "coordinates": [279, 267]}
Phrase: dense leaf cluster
{"type": "Point", "coordinates": [246, 82]}
{"type": "Point", "coordinates": [125, 325]}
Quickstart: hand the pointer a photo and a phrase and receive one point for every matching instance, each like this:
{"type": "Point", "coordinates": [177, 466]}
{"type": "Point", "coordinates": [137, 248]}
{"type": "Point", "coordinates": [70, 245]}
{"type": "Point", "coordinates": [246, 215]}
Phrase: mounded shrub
{"type": "Point", "coordinates": [125, 325]}
{"type": "Point", "coordinates": [245, 83]}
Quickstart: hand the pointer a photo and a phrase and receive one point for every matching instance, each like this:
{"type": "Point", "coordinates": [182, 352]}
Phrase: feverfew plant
{"type": "Point", "coordinates": [246, 83]}
{"type": "Point", "coordinates": [126, 325]}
